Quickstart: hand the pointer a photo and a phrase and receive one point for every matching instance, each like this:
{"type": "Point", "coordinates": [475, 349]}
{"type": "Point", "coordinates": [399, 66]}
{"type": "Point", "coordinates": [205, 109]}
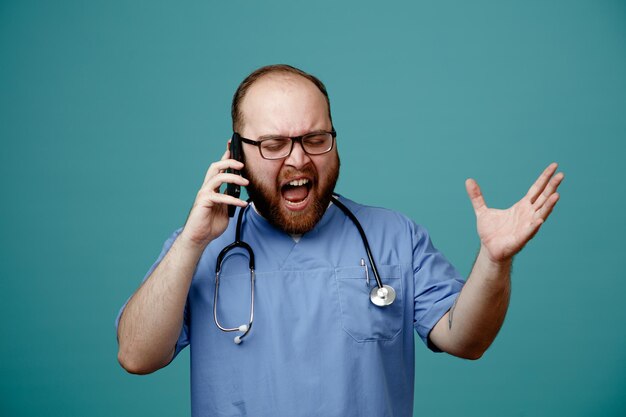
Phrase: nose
{"type": "Point", "coordinates": [298, 158]}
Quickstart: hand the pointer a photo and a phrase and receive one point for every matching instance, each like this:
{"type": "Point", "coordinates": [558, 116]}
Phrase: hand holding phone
{"type": "Point", "coordinates": [208, 216]}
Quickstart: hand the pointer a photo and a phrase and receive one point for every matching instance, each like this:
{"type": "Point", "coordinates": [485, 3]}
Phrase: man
{"type": "Point", "coordinates": [318, 345]}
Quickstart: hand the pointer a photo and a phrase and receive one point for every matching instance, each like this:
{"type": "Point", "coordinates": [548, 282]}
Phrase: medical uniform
{"type": "Point", "coordinates": [318, 346]}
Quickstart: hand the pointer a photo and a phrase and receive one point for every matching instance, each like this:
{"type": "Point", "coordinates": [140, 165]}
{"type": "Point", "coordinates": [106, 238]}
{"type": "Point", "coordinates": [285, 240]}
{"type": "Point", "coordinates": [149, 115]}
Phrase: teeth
{"type": "Point", "coordinates": [298, 183]}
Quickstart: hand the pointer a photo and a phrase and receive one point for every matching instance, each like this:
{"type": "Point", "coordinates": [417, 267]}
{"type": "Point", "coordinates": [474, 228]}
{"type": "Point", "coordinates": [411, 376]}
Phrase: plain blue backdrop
{"type": "Point", "coordinates": [111, 112]}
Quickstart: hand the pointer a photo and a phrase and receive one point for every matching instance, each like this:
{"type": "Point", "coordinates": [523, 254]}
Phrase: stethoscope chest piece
{"type": "Point", "coordinates": [382, 296]}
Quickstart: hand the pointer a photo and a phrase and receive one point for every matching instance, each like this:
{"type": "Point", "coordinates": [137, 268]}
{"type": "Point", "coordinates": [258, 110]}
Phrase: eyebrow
{"type": "Point", "coordinates": [265, 137]}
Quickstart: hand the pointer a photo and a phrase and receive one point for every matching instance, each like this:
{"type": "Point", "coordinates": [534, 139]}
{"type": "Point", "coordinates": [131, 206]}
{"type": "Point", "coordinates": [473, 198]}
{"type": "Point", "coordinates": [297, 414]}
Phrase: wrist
{"type": "Point", "coordinates": [191, 245]}
{"type": "Point", "coordinates": [491, 264]}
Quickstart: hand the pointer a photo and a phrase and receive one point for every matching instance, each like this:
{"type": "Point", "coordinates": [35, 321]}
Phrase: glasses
{"type": "Point", "coordinates": [279, 147]}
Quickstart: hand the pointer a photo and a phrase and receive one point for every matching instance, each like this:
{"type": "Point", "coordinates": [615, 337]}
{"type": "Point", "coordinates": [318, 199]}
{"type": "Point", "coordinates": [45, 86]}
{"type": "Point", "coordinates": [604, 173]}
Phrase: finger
{"type": "Point", "coordinates": [534, 228]}
{"type": "Point", "coordinates": [225, 156]}
{"type": "Point", "coordinates": [217, 198]}
{"type": "Point", "coordinates": [547, 208]}
{"type": "Point", "coordinates": [225, 178]}
{"type": "Point", "coordinates": [220, 166]}
{"type": "Point", "coordinates": [539, 185]}
{"type": "Point", "coordinates": [550, 189]}
{"type": "Point", "coordinates": [475, 195]}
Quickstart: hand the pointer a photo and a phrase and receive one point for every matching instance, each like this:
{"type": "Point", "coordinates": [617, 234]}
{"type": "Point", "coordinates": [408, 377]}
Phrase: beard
{"type": "Point", "coordinates": [267, 198]}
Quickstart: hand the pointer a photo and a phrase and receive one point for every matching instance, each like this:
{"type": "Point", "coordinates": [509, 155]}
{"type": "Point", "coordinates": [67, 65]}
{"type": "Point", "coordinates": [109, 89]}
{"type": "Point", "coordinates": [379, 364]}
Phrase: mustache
{"type": "Point", "coordinates": [289, 172]}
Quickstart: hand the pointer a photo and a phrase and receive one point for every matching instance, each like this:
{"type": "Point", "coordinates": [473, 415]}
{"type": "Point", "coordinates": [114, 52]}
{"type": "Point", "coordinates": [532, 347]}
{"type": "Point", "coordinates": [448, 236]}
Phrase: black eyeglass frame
{"type": "Point", "coordinates": [294, 139]}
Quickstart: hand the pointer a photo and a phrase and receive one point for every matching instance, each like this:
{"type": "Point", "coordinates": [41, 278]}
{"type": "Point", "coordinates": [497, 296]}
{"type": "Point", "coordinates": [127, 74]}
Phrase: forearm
{"type": "Point", "coordinates": [152, 320]}
{"type": "Point", "coordinates": [472, 324]}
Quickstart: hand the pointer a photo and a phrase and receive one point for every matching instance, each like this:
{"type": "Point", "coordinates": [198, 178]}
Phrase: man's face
{"type": "Point", "coordinates": [291, 193]}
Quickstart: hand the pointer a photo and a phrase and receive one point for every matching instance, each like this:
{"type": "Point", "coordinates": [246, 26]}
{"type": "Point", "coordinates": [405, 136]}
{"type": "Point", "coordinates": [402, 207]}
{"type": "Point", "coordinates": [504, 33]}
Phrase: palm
{"type": "Point", "coordinates": [503, 233]}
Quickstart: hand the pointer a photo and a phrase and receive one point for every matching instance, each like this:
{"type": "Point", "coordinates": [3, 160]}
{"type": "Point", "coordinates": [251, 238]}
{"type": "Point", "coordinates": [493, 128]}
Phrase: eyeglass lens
{"type": "Point", "coordinates": [280, 147]}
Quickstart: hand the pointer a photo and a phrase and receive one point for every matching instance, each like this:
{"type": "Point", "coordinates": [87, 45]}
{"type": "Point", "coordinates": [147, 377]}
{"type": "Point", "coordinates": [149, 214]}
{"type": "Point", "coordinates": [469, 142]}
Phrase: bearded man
{"type": "Point", "coordinates": [318, 347]}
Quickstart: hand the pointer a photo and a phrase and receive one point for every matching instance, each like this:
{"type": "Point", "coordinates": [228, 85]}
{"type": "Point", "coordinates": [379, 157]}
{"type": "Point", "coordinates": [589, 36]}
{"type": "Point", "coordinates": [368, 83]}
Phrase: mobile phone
{"type": "Point", "coordinates": [235, 153]}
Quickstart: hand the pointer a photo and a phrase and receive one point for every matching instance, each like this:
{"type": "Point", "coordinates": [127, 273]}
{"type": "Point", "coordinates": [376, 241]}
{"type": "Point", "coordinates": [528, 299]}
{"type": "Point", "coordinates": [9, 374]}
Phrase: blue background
{"type": "Point", "coordinates": [111, 112]}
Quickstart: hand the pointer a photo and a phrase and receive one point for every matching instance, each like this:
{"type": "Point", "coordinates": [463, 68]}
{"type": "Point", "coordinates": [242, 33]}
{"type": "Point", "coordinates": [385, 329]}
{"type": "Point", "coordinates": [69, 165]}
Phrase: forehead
{"type": "Point", "coordinates": [284, 104]}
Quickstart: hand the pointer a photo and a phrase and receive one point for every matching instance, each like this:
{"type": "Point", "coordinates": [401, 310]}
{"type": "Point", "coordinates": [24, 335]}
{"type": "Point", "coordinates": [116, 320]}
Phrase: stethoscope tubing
{"type": "Point", "coordinates": [382, 295]}
{"type": "Point", "coordinates": [352, 217]}
{"type": "Point", "coordinates": [238, 243]}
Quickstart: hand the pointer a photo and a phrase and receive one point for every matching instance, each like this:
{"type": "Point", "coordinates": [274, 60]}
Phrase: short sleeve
{"type": "Point", "coordinates": [183, 339]}
{"type": "Point", "coordinates": [436, 282]}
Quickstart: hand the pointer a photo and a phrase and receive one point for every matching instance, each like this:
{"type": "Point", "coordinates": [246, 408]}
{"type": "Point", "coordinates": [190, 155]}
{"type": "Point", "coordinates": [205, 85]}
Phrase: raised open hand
{"type": "Point", "coordinates": [503, 233]}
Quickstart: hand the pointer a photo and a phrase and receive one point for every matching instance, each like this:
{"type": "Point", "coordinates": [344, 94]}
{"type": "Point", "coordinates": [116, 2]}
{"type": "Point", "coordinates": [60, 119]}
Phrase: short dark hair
{"type": "Point", "coordinates": [239, 95]}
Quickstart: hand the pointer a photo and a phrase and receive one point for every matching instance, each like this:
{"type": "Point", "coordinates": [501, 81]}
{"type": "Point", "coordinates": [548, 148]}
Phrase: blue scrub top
{"type": "Point", "coordinates": [318, 346]}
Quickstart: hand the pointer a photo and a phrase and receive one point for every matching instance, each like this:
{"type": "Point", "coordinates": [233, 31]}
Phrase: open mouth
{"type": "Point", "coordinates": [296, 193]}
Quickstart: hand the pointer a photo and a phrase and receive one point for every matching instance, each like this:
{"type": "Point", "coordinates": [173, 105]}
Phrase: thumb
{"type": "Point", "coordinates": [475, 195]}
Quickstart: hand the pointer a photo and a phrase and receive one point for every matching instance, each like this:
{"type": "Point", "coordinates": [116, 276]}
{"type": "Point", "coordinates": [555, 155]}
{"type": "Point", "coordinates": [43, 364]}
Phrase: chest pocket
{"type": "Point", "coordinates": [360, 318]}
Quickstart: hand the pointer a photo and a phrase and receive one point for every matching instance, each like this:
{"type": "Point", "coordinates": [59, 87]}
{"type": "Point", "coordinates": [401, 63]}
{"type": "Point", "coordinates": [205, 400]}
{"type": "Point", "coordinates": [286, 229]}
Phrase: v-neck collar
{"type": "Point", "coordinates": [273, 246]}
{"type": "Point", "coordinates": [262, 223]}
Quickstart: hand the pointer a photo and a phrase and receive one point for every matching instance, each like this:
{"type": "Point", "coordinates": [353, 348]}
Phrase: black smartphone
{"type": "Point", "coordinates": [235, 153]}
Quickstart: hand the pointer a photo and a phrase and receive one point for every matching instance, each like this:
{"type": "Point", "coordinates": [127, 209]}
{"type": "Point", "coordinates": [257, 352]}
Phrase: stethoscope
{"type": "Point", "coordinates": [381, 295]}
